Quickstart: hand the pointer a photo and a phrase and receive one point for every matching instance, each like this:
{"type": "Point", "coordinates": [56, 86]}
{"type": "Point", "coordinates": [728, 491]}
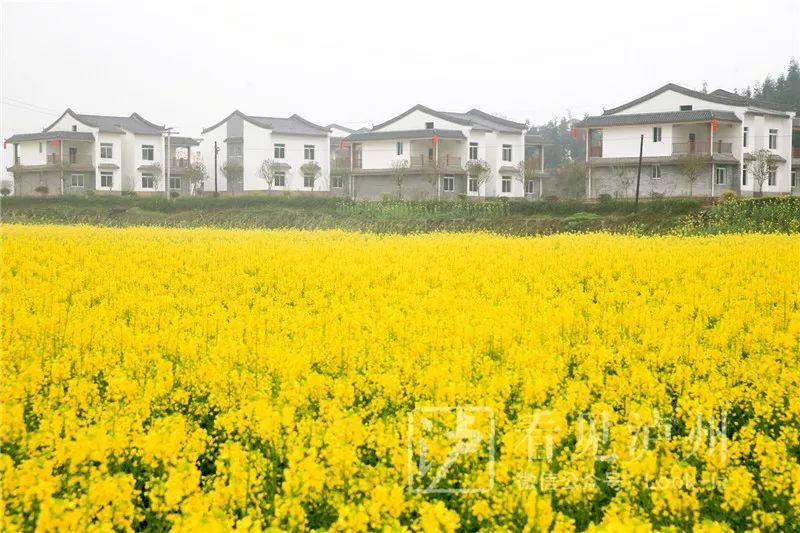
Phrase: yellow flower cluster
{"type": "Point", "coordinates": [251, 380]}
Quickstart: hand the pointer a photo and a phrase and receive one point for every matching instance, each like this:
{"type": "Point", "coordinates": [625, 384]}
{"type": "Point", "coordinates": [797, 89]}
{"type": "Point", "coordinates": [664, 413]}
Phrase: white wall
{"type": "Point", "coordinates": [416, 121]}
{"type": "Point", "coordinates": [206, 150]}
{"type": "Point", "coordinates": [115, 139]}
{"type": "Point", "coordinates": [672, 101]}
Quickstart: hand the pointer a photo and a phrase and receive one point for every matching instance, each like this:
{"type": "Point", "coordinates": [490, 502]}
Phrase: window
{"type": "Point", "coordinates": [772, 178]}
{"type": "Point", "coordinates": [794, 179]}
{"type": "Point", "coordinates": [74, 127]}
{"type": "Point", "coordinates": [147, 153]}
{"type": "Point", "coordinates": [448, 184]}
{"type": "Point", "coordinates": [399, 148]}
{"type": "Point", "coordinates": [308, 180]}
{"type": "Point", "coordinates": [473, 151]}
{"type": "Point", "coordinates": [657, 134]}
{"type": "Point", "coordinates": [73, 155]}
{"type": "Point", "coordinates": [106, 150]}
{"type": "Point", "coordinates": [280, 151]}
{"type": "Point", "coordinates": [773, 139]}
{"type": "Point", "coordinates": [719, 176]}
{"type": "Point", "coordinates": [506, 152]}
{"type": "Point", "coordinates": [147, 181]}
{"type": "Point", "coordinates": [744, 176]}
{"type": "Point", "coordinates": [745, 134]}
{"type": "Point", "coordinates": [473, 184]}
{"type": "Point", "coordinates": [506, 184]}
{"type": "Point", "coordinates": [40, 148]}
{"type": "Point", "coordinates": [76, 180]}
{"type": "Point", "coordinates": [308, 152]}
{"type": "Point", "coordinates": [529, 187]}
{"type": "Point", "coordinates": [280, 178]}
{"type": "Point", "coordinates": [337, 182]}
{"type": "Point", "coordinates": [106, 179]}
{"type": "Point", "coordinates": [429, 125]}
{"type": "Point", "coordinates": [686, 107]}
{"type": "Point", "coordinates": [174, 184]}
{"type": "Point", "coordinates": [655, 172]}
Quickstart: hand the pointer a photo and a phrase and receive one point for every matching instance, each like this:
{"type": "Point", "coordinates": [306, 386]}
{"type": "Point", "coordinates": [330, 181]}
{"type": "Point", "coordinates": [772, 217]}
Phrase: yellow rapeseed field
{"type": "Point", "coordinates": [215, 380]}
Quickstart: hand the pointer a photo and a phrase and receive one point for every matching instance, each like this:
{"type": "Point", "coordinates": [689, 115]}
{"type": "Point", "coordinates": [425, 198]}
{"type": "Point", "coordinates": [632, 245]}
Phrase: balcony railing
{"type": "Point", "coordinates": [445, 161]}
{"type": "Point", "coordinates": [179, 163]}
{"type": "Point", "coordinates": [596, 150]}
{"type": "Point", "coordinates": [702, 147]}
{"type": "Point", "coordinates": [70, 160]}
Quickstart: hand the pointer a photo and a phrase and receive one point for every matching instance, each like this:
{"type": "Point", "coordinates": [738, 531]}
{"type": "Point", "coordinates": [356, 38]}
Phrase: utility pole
{"type": "Point", "coordinates": [639, 172]}
{"type": "Point", "coordinates": [166, 165]}
{"type": "Point", "coordinates": [216, 151]}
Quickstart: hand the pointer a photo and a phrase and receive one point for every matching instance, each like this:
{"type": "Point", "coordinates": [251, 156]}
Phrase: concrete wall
{"type": "Point", "coordinates": [606, 180]}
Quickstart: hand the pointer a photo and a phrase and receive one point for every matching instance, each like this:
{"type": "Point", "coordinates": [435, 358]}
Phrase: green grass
{"type": "Point", "coordinates": [757, 215]}
{"type": "Point", "coordinates": [312, 212]}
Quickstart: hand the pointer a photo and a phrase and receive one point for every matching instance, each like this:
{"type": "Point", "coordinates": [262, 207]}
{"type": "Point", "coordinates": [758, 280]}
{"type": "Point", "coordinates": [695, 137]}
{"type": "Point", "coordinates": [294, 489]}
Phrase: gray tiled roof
{"type": "Point", "coordinates": [293, 125]}
{"type": "Point", "coordinates": [476, 118]}
{"type": "Point", "coordinates": [340, 127]}
{"type": "Point", "coordinates": [176, 140]}
{"type": "Point", "coordinates": [112, 124]}
{"type": "Point", "coordinates": [405, 134]}
{"type": "Point", "coordinates": [666, 117]}
{"type": "Point", "coordinates": [49, 135]}
{"type": "Point", "coordinates": [719, 96]}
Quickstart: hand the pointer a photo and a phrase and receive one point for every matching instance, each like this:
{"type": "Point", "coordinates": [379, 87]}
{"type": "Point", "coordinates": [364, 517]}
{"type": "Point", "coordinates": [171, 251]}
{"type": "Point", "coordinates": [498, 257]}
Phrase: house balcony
{"type": "Point", "coordinates": [445, 163]}
{"type": "Point", "coordinates": [178, 166]}
{"type": "Point", "coordinates": [55, 162]}
{"type": "Point", "coordinates": [702, 148]}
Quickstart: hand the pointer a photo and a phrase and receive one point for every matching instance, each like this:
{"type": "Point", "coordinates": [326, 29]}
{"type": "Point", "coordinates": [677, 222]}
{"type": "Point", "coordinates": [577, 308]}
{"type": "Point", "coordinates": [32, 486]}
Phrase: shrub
{"type": "Point", "coordinates": [5, 191]}
{"type": "Point", "coordinates": [174, 194]}
{"type": "Point", "coordinates": [42, 189]}
{"type": "Point", "coordinates": [90, 193]}
{"type": "Point", "coordinates": [728, 196]}
{"type": "Point", "coordinates": [605, 198]}
{"type": "Point", "coordinates": [552, 198]}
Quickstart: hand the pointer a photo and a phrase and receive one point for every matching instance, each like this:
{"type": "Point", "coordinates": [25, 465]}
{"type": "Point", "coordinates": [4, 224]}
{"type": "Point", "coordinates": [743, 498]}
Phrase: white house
{"type": "Point", "coordinates": [722, 128]}
{"type": "Point", "coordinates": [294, 146]}
{"type": "Point", "coordinates": [80, 152]}
{"type": "Point", "coordinates": [436, 146]}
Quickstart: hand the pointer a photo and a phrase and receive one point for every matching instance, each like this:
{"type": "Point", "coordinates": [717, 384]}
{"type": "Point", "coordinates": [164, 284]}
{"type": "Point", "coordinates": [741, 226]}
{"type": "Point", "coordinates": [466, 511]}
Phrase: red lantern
{"type": "Point", "coordinates": [558, 170]}
{"type": "Point", "coordinates": [574, 133]}
{"type": "Point", "coordinates": [55, 142]}
{"type": "Point", "coordinates": [435, 140]}
{"type": "Point", "coordinates": [714, 124]}
{"type": "Point", "coordinates": [341, 144]}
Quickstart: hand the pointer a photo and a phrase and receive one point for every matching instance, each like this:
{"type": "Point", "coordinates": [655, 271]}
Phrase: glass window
{"type": "Point", "coordinates": [655, 172]}
{"type": "Point", "coordinates": [308, 180]}
{"type": "Point", "coordinates": [473, 151]}
{"type": "Point", "coordinates": [399, 148]}
{"type": "Point", "coordinates": [745, 135]}
{"type": "Point", "coordinates": [280, 179]}
{"type": "Point", "coordinates": [106, 150]}
{"type": "Point", "coordinates": [280, 151]}
{"type": "Point", "coordinates": [429, 125]}
{"type": "Point", "coordinates": [148, 154]}
{"type": "Point", "coordinates": [337, 182]}
{"type": "Point", "coordinates": [744, 176]}
{"type": "Point", "coordinates": [507, 152]}
{"type": "Point", "coordinates": [147, 181]}
{"type": "Point", "coordinates": [106, 179]}
{"type": "Point", "coordinates": [529, 187]}
{"type": "Point", "coordinates": [506, 184]}
{"type": "Point", "coordinates": [308, 152]}
{"type": "Point", "coordinates": [657, 135]}
{"type": "Point", "coordinates": [772, 178]}
{"type": "Point", "coordinates": [76, 180]}
{"type": "Point", "coordinates": [448, 184]}
{"type": "Point", "coordinates": [174, 184]}
{"type": "Point", "coordinates": [719, 177]}
{"type": "Point", "coordinates": [773, 139]}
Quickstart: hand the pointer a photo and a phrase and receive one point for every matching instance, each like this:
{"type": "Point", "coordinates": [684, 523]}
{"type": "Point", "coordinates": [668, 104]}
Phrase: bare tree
{"type": "Point", "coordinates": [399, 173]}
{"type": "Point", "coordinates": [692, 166]}
{"type": "Point", "coordinates": [432, 170]}
{"type": "Point", "coordinates": [233, 172]}
{"type": "Point", "coordinates": [478, 170]}
{"type": "Point", "coordinates": [157, 174]}
{"type": "Point", "coordinates": [624, 180]}
{"type": "Point", "coordinates": [527, 171]}
{"type": "Point", "coordinates": [311, 170]}
{"type": "Point", "coordinates": [267, 171]}
{"type": "Point", "coordinates": [760, 167]}
{"type": "Point", "coordinates": [574, 177]}
{"type": "Point", "coordinates": [196, 175]}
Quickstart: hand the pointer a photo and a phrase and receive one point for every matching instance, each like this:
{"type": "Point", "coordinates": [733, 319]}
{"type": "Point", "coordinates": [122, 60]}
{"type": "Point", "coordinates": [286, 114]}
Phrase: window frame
{"type": "Point", "coordinates": [720, 171]}
{"type": "Point", "coordinates": [148, 176]}
{"type": "Point", "coordinates": [82, 181]}
{"type": "Point", "coordinates": [472, 184]}
{"type": "Point", "coordinates": [103, 176]}
{"type": "Point", "coordinates": [473, 146]}
{"type": "Point", "coordinates": [279, 179]}
{"type": "Point", "coordinates": [505, 184]}
{"type": "Point", "coordinates": [793, 179]}
{"type": "Point", "coordinates": [429, 125]}
{"type": "Point", "coordinates": [507, 148]}
{"type": "Point", "coordinates": [279, 150]}
{"type": "Point", "coordinates": [772, 178]}
{"type": "Point", "coordinates": [399, 148]}
{"type": "Point", "coordinates": [745, 136]}
{"type": "Point", "coordinates": [529, 187]}
{"type": "Point", "coordinates": [773, 139]}
{"type": "Point", "coordinates": [657, 134]}
{"type": "Point", "coordinates": [151, 149]}
{"type": "Point", "coordinates": [309, 149]}
{"type": "Point", "coordinates": [306, 177]}
{"type": "Point", "coordinates": [744, 177]}
{"type": "Point", "coordinates": [109, 147]}
{"type": "Point", "coordinates": [170, 183]}
{"type": "Point", "coordinates": [337, 182]}
{"type": "Point", "coordinates": [685, 107]}
{"type": "Point", "coordinates": [655, 172]}
{"type": "Point", "coordinates": [452, 184]}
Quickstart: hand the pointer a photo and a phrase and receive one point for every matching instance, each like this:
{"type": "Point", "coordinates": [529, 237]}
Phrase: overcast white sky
{"type": "Point", "coordinates": [188, 64]}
